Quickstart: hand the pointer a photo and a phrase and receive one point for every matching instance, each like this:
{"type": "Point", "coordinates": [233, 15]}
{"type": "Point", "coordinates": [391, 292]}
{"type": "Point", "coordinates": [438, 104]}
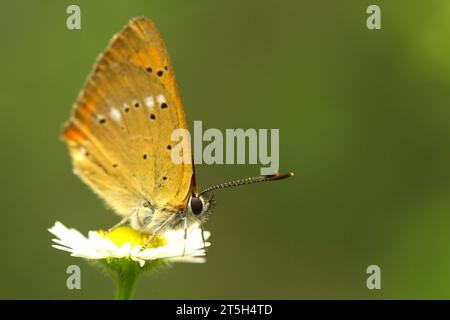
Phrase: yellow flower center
{"type": "Point", "coordinates": [121, 235]}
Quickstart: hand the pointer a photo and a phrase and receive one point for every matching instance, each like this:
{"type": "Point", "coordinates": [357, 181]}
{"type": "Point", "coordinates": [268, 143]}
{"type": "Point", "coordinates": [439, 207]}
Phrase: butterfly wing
{"type": "Point", "coordinates": [119, 134]}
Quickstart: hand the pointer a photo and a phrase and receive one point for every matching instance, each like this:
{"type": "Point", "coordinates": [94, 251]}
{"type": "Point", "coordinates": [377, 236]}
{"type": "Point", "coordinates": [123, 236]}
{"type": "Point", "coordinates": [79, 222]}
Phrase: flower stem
{"type": "Point", "coordinates": [125, 280]}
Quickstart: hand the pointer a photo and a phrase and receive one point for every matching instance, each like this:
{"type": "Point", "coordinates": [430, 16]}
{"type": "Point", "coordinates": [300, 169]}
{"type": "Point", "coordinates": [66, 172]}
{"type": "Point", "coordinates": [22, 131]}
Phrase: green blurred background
{"type": "Point", "coordinates": [364, 120]}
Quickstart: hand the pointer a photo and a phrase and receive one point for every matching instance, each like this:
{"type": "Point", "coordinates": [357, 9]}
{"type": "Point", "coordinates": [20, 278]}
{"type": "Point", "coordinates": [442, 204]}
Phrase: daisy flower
{"type": "Point", "coordinates": [125, 242]}
{"type": "Point", "coordinates": [120, 250]}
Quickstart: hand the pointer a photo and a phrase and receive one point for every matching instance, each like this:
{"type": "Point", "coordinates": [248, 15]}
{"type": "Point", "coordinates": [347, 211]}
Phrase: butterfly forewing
{"type": "Point", "coordinates": [120, 131]}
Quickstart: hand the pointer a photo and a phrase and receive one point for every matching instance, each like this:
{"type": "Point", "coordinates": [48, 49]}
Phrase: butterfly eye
{"type": "Point", "coordinates": [196, 205]}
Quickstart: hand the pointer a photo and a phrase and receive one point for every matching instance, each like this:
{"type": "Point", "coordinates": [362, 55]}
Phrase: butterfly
{"type": "Point", "coordinates": [119, 136]}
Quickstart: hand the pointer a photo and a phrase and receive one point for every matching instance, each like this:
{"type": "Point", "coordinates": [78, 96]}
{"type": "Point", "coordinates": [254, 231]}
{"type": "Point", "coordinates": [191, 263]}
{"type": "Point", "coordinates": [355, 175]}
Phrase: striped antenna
{"type": "Point", "coordinates": [245, 181]}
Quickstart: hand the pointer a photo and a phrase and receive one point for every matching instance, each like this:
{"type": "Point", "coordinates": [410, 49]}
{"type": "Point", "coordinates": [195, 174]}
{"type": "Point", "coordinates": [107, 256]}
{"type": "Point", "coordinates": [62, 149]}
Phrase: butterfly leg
{"type": "Point", "coordinates": [203, 239]}
{"type": "Point", "coordinates": [150, 239]}
{"type": "Point", "coordinates": [185, 235]}
{"type": "Point", "coordinates": [122, 222]}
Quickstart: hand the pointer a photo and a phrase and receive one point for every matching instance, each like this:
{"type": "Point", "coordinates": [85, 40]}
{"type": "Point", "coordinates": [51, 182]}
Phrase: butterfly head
{"type": "Point", "coordinates": [201, 204]}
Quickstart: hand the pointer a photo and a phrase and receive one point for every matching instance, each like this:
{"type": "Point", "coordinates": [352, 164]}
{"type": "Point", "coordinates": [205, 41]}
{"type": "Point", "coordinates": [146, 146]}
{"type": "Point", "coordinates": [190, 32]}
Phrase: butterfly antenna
{"type": "Point", "coordinates": [245, 181]}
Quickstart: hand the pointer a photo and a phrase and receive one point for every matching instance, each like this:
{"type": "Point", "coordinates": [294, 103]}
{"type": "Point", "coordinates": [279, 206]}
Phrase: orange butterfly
{"type": "Point", "coordinates": [119, 136]}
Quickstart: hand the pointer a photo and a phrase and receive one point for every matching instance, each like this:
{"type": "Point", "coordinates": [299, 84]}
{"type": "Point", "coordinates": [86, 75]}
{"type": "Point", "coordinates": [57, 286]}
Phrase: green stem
{"type": "Point", "coordinates": [125, 280]}
{"type": "Point", "coordinates": [125, 273]}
